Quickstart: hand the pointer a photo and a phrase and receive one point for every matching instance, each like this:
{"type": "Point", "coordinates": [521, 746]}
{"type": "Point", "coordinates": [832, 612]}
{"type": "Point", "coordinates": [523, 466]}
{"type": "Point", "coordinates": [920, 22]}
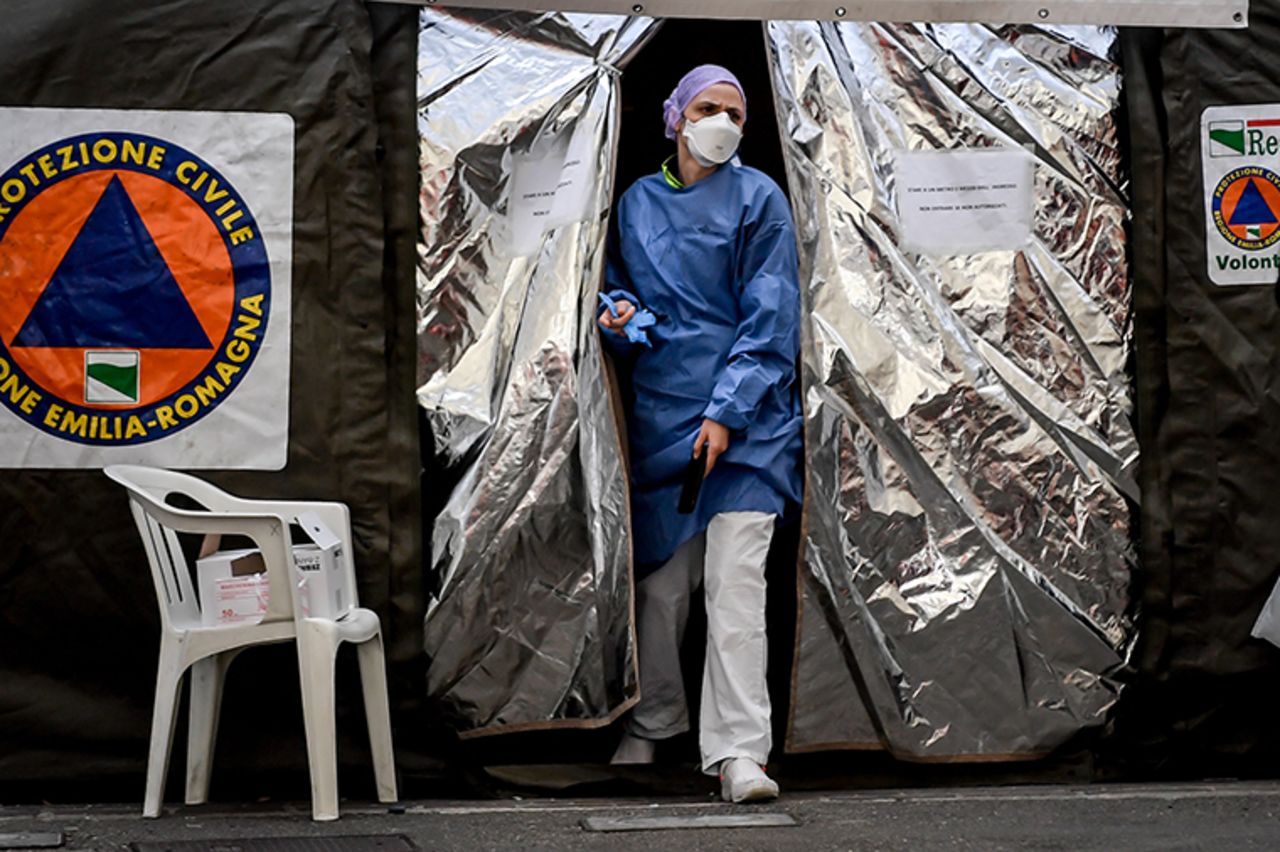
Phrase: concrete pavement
{"type": "Point", "coordinates": [1217, 816]}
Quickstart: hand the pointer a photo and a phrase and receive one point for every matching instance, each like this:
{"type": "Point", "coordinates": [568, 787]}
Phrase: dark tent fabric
{"type": "Point", "coordinates": [78, 620]}
{"type": "Point", "coordinates": [1208, 380]}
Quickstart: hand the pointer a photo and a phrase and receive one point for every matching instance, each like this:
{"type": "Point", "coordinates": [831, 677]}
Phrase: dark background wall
{"type": "Point", "coordinates": [1208, 378]}
{"type": "Point", "coordinates": [78, 618]}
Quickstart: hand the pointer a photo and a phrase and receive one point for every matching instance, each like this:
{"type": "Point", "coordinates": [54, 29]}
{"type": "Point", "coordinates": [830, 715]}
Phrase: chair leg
{"type": "Point", "coordinates": [163, 715]}
{"type": "Point", "coordinates": [377, 711]}
{"type": "Point", "coordinates": [317, 649]}
{"type": "Point", "coordinates": [207, 677]}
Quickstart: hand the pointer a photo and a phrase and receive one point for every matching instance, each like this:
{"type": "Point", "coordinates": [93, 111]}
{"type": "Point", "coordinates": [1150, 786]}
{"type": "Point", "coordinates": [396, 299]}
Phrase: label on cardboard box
{"type": "Point", "coordinates": [241, 599]}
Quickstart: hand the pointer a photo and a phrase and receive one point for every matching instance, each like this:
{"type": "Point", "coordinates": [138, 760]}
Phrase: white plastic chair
{"type": "Point", "coordinates": [208, 651]}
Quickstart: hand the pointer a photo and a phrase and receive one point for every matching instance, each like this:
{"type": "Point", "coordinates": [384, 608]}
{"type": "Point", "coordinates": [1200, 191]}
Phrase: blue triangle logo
{"type": "Point", "coordinates": [113, 288]}
{"type": "Point", "coordinates": [1252, 208]}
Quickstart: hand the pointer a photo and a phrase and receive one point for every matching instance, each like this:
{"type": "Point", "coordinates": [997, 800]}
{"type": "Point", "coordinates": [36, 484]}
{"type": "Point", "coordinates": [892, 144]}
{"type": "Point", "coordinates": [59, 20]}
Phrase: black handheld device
{"type": "Point", "coordinates": [692, 483]}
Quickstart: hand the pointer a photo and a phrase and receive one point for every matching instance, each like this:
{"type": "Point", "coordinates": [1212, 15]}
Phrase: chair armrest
{"type": "Point", "coordinates": [335, 516]}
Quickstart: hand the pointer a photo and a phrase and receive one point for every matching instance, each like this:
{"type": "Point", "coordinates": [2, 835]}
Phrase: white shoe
{"type": "Point", "coordinates": [634, 750]}
{"type": "Point", "coordinates": [742, 780]}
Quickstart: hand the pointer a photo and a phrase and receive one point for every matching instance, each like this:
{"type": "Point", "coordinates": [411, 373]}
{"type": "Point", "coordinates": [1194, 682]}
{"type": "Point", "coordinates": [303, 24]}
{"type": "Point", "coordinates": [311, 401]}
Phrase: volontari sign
{"type": "Point", "coordinates": [1170, 13]}
{"type": "Point", "coordinates": [144, 312]}
{"type": "Point", "coordinates": [1240, 158]}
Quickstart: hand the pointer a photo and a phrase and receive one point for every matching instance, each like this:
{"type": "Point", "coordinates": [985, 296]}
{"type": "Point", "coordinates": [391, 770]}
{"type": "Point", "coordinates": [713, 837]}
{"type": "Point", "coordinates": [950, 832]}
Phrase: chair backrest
{"type": "Point", "coordinates": [169, 570]}
{"type": "Point", "coordinates": [159, 523]}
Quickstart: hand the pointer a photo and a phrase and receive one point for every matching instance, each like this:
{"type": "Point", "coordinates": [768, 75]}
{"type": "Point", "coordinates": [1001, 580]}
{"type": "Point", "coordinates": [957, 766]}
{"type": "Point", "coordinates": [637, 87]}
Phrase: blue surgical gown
{"type": "Point", "coordinates": [716, 264]}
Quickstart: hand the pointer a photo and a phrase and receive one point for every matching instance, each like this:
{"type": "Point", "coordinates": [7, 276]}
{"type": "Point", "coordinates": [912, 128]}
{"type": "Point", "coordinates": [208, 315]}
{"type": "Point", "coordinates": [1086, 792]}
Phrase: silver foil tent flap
{"type": "Point", "coordinates": [967, 555]}
{"type": "Point", "coordinates": [518, 119]}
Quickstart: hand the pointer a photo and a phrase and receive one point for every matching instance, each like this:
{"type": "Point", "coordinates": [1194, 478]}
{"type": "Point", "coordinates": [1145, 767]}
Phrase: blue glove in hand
{"type": "Point", "coordinates": [635, 328]}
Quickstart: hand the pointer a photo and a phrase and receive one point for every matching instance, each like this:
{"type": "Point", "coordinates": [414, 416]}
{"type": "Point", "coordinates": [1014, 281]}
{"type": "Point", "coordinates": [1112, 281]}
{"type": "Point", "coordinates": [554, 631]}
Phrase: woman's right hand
{"type": "Point", "coordinates": [626, 311]}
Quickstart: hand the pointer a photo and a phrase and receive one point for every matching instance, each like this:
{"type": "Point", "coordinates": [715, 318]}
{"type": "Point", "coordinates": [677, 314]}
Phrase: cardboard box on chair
{"type": "Point", "coordinates": [234, 589]}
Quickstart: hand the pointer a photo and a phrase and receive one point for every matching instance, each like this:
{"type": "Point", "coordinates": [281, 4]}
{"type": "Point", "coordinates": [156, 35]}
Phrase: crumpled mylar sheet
{"type": "Point", "coordinates": [518, 117]}
{"type": "Point", "coordinates": [967, 554]}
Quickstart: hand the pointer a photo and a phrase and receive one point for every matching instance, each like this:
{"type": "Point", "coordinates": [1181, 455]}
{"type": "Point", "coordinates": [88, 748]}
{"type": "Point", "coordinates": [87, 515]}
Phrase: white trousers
{"type": "Point", "coordinates": [729, 559]}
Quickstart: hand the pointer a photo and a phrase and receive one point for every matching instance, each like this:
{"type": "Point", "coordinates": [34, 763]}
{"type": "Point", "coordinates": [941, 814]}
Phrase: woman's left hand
{"type": "Point", "coordinates": [715, 437]}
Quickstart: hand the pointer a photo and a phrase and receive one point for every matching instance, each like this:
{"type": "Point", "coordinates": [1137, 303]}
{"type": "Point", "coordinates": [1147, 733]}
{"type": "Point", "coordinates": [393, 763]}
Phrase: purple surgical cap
{"type": "Point", "coordinates": [695, 83]}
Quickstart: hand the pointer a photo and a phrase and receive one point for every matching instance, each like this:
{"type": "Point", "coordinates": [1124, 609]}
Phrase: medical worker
{"type": "Point", "coordinates": [702, 276]}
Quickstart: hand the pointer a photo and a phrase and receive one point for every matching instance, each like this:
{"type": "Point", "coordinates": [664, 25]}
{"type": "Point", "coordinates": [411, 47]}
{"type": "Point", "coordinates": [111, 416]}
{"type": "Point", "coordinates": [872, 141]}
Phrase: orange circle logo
{"type": "Point", "coordinates": [137, 288]}
{"type": "Point", "coordinates": [1246, 208]}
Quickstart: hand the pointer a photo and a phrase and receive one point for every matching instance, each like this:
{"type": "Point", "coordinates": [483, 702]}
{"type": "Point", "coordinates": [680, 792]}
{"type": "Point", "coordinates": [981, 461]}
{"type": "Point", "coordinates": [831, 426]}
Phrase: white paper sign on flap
{"type": "Point", "coordinates": [965, 201]}
{"type": "Point", "coordinates": [551, 186]}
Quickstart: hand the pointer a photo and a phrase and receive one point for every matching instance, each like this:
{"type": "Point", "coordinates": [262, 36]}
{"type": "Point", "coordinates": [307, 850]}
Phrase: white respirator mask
{"type": "Point", "coordinates": [712, 140]}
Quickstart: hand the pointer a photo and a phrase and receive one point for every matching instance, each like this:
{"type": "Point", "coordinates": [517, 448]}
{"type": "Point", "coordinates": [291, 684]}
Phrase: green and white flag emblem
{"type": "Point", "coordinates": [1226, 138]}
{"type": "Point", "coordinates": [111, 377]}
